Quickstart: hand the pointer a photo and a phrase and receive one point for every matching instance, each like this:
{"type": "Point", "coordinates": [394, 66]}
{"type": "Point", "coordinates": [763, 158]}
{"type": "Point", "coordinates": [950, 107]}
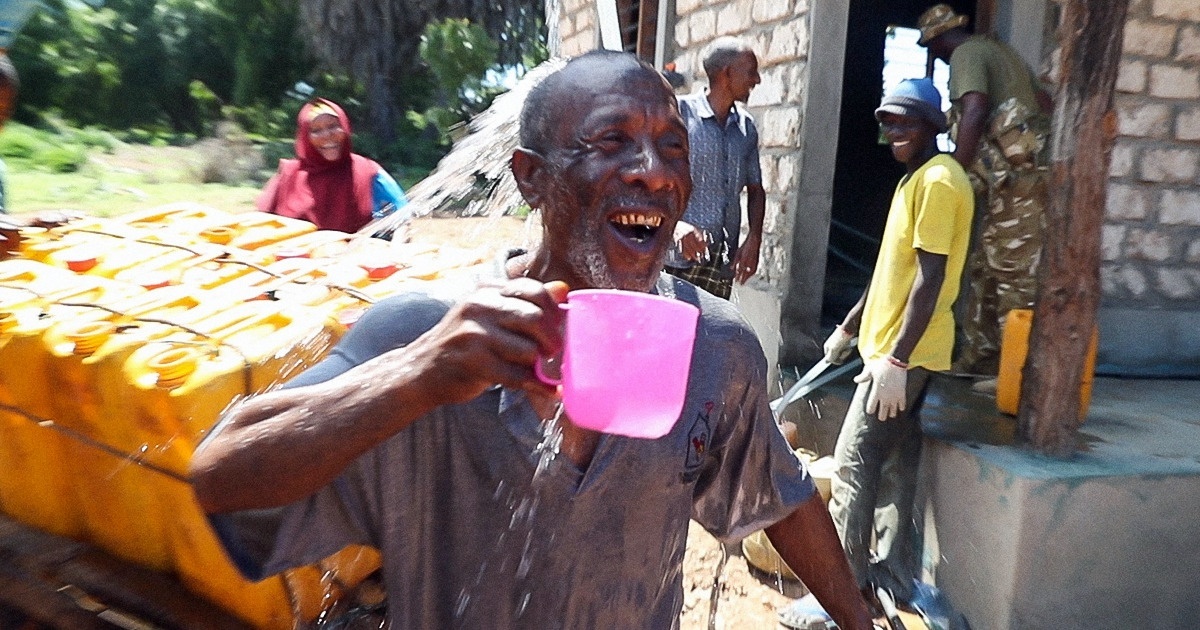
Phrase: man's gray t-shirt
{"type": "Point", "coordinates": [470, 541]}
{"type": "Point", "coordinates": [723, 162]}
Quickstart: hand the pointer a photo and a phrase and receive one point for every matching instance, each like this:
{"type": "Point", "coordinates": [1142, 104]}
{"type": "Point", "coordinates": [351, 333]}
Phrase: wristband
{"type": "Point", "coordinates": [897, 362]}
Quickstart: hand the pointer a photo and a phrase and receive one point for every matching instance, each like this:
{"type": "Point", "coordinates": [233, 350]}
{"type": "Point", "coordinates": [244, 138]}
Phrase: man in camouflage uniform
{"type": "Point", "coordinates": [1001, 127]}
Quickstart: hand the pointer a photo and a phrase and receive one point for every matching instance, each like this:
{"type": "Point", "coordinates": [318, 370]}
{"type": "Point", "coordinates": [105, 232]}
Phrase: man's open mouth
{"type": "Point", "coordinates": [636, 227]}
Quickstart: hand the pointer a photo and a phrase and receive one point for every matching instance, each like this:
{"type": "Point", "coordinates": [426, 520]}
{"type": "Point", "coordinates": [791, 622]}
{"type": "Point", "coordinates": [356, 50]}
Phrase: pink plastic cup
{"type": "Point", "coordinates": [626, 359]}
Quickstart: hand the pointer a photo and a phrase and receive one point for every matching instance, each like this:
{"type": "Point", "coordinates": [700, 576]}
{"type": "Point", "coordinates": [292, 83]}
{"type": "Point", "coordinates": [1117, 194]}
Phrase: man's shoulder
{"type": "Point", "coordinates": [721, 323]}
{"type": "Point", "coordinates": [982, 47]}
{"type": "Point", "coordinates": [943, 168]}
{"type": "Point", "coordinates": [975, 49]}
{"type": "Point", "coordinates": [944, 165]}
{"type": "Point", "coordinates": [745, 118]}
{"type": "Point", "coordinates": [396, 321]}
{"type": "Point", "coordinates": [693, 105]}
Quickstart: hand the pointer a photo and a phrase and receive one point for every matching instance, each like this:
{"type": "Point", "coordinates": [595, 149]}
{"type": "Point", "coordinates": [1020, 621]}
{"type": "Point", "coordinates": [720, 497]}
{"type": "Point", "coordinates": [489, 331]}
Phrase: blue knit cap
{"type": "Point", "coordinates": [915, 97]}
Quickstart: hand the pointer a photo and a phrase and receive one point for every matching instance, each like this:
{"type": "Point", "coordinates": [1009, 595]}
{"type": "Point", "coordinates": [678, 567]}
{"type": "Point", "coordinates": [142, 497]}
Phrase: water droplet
{"type": "Point", "coordinates": [464, 598]}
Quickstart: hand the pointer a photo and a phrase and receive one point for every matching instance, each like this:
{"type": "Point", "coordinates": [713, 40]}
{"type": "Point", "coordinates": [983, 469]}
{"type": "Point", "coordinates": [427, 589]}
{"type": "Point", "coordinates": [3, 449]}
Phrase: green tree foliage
{"type": "Point", "coordinates": [377, 42]}
{"type": "Point", "coordinates": [133, 62]}
{"type": "Point", "coordinates": [459, 54]}
{"type": "Point", "coordinates": [150, 69]}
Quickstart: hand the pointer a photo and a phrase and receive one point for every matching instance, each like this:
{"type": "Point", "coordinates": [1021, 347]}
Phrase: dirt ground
{"type": "Point", "coordinates": [747, 598]}
{"type": "Point", "coordinates": [494, 233]}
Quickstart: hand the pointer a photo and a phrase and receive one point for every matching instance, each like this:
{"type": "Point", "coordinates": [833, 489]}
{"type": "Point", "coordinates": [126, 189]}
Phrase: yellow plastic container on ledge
{"type": "Point", "coordinates": [107, 258]}
{"type": "Point", "coordinates": [252, 230]}
{"type": "Point", "coordinates": [168, 268]}
{"type": "Point", "coordinates": [318, 244]}
{"type": "Point", "coordinates": [178, 220]}
{"type": "Point", "coordinates": [46, 243]}
{"type": "Point", "coordinates": [35, 473]}
{"type": "Point", "coordinates": [213, 272]}
{"type": "Point", "coordinates": [323, 284]}
{"type": "Point", "coordinates": [1014, 348]}
{"type": "Point", "coordinates": [318, 588]}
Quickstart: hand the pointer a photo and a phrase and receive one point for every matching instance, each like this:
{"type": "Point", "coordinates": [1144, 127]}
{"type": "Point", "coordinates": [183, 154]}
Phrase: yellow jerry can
{"type": "Point", "coordinates": [179, 385]}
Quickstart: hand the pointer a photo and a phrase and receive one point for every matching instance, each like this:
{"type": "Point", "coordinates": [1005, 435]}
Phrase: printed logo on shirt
{"type": "Point", "coordinates": [698, 436]}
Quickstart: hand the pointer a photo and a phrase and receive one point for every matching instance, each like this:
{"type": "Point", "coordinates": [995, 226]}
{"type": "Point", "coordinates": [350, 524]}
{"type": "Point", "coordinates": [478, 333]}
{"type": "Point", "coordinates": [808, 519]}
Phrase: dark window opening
{"type": "Point", "coordinates": [638, 22]}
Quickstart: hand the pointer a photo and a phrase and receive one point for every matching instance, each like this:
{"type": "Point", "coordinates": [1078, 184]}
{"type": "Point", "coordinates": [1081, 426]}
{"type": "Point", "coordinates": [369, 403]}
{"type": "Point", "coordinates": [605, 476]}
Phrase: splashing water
{"type": "Point", "coordinates": [548, 448]}
{"type": "Point", "coordinates": [477, 167]}
{"type": "Point", "coordinates": [523, 516]}
{"type": "Point", "coordinates": [718, 584]}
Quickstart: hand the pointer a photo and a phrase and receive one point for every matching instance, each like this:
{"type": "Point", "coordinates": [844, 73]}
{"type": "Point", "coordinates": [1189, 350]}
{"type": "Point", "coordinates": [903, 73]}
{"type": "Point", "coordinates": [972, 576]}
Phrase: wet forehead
{"type": "Point", "coordinates": [611, 95]}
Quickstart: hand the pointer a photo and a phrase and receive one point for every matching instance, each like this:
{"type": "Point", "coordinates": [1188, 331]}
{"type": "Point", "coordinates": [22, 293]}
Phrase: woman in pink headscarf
{"type": "Point", "coordinates": [327, 184]}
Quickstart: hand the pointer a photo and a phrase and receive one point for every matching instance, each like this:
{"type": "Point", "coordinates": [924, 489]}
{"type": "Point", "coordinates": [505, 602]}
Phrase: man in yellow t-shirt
{"type": "Point", "coordinates": [905, 328]}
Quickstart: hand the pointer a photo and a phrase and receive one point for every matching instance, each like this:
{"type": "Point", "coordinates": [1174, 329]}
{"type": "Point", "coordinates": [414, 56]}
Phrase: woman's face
{"type": "Point", "coordinates": [326, 134]}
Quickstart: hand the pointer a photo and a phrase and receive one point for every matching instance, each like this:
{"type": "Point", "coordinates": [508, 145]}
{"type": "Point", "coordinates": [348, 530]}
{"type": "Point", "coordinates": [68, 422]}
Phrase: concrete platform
{"type": "Point", "coordinates": [1107, 539]}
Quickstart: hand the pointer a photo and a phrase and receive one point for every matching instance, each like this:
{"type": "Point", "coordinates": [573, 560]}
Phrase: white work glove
{"type": "Point", "coordinates": [888, 379]}
{"type": "Point", "coordinates": [837, 347]}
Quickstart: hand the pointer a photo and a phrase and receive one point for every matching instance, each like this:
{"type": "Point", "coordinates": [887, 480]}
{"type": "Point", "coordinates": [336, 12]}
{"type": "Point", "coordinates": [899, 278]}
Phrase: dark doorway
{"type": "Point", "coordinates": [866, 174]}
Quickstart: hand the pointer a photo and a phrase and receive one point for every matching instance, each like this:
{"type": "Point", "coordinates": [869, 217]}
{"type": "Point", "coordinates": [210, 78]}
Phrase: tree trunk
{"type": "Point", "coordinates": [383, 110]}
{"type": "Point", "coordinates": [1069, 278]}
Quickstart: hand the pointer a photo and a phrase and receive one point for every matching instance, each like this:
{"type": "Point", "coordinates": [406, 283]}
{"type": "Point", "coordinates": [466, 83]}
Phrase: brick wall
{"type": "Point", "coordinates": [779, 32]}
{"type": "Point", "coordinates": [1150, 270]}
{"type": "Point", "coordinates": [577, 27]}
{"type": "Point", "coordinates": [1151, 238]}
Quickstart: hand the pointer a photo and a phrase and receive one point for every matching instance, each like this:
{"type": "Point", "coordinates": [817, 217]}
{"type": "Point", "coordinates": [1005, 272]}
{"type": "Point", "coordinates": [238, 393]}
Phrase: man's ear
{"type": "Point", "coordinates": [528, 169]}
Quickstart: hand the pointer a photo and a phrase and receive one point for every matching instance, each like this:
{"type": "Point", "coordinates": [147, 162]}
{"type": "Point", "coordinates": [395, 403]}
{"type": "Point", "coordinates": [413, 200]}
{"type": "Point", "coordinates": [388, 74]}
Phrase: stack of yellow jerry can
{"type": "Point", "coordinates": [123, 340]}
{"type": "Point", "coordinates": [35, 485]}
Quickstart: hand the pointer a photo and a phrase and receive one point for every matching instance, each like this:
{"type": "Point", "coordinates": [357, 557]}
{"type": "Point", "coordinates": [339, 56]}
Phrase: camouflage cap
{"type": "Point", "coordinates": [936, 20]}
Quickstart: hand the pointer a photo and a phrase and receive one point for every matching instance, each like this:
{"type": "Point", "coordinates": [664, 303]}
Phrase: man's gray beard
{"type": "Point", "coordinates": [587, 259]}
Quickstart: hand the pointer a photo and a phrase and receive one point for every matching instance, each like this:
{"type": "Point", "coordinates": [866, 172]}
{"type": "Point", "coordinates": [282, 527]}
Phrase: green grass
{"type": "Point", "coordinates": [93, 172]}
{"type": "Point", "coordinates": [111, 194]}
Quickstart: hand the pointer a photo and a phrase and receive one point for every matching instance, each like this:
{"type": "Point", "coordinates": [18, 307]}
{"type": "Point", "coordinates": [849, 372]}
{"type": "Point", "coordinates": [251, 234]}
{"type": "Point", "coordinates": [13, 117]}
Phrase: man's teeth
{"type": "Point", "coordinates": [901, 143]}
{"type": "Point", "coordinates": [638, 220]}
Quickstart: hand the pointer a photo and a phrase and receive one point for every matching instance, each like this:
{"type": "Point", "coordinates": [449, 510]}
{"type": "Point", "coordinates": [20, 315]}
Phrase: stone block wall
{"type": "Point", "coordinates": [578, 30]}
{"type": "Point", "coordinates": [1151, 238]}
{"type": "Point", "coordinates": [780, 31]}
